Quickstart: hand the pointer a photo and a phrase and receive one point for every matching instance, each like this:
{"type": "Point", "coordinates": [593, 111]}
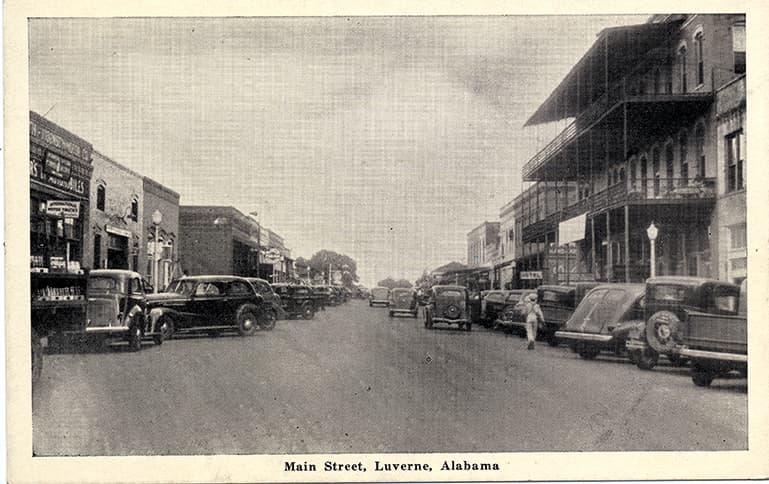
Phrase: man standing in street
{"type": "Point", "coordinates": [533, 317]}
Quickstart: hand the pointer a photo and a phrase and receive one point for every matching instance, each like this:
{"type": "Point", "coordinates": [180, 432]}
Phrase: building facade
{"type": "Point", "coordinates": [504, 264]}
{"type": "Point", "coordinates": [482, 252]}
{"type": "Point", "coordinates": [60, 171]}
{"type": "Point", "coordinates": [642, 146]}
{"type": "Point", "coordinates": [160, 240]}
{"type": "Point", "coordinates": [115, 236]}
{"type": "Point", "coordinates": [218, 240]}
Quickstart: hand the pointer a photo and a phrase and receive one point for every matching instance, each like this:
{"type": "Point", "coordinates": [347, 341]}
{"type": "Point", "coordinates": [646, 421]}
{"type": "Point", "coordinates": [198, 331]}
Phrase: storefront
{"type": "Point", "coordinates": [60, 175]}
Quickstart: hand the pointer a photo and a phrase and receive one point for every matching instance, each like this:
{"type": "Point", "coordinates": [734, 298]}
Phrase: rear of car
{"type": "Point", "coordinates": [403, 301]}
{"type": "Point", "coordinates": [492, 305]}
{"type": "Point", "coordinates": [604, 318]}
{"type": "Point", "coordinates": [448, 305]}
{"type": "Point", "coordinates": [380, 296]}
{"type": "Point", "coordinates": [557, 304]}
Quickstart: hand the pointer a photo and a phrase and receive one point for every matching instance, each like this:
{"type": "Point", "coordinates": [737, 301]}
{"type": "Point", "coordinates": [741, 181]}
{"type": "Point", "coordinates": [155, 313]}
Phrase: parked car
{"type": "Point", "coordinates": [492, 305]}
{"type": "Point", "coordinates": [403, 301]}
{"type": "Point", "coordinates": [380, 296]}
{"type": "Point", "coordinates": [299, 300]}
{"type": "Point", "coordinates": [512, 318]}
{"type": "Point", "coordinates": [210, 304]}
{"type": "Point", "coordinates": [117, 307]}
{"type": "Point", "coordinates": [272, 307]}
{"type": "Point", "coordinates": [448, 305]}
{"type": "Point", "coordinates": [557, 304]}
{"type": "Point", "coordinates": [604, 318]}
{"type": "Point", "coordinates": [688, 316]}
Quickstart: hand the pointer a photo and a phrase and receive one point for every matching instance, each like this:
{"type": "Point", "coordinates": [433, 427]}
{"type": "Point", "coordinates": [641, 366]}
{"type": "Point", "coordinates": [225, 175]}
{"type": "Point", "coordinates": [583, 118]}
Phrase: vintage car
{"type": "Point", "coordinates": [603, 319]}
{"type": "Point", "coordinates": [380, 296]}
{"type": "Point", "coordinates": [272, 307]}
{"type": "Point", "coordinates": [448, 305]}
{"type": "Point", "coordinates": [512, 319]}
{"type": "Point", "coordinates": [403, 301]}
{"type": "Point", "coordinates": [557, 304]}
{"type": "Point", "coordinates": [492, 305]}
{"type": "Point", "coordinates": [299, 300]}
{"type": "Point", "coordinates": [211, 304]}
{"type": "Point", "coordinates": [693, 318]}
{"type": "Point", "coordinates": [117, 307]}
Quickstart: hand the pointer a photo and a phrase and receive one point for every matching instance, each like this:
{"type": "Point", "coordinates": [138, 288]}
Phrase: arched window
{"type": "Point", "coordinates": [669, 165]}
{"type": "Point", "coordinates": [682, 67]}
{"type": "Point", "coordinates": [699, 148]}
{"type": "Point", "coordinates": [644, 175]}
{"type": "Point", "coordinates": [683, 146]}
{"type": "Point", "coordinates": [101, 195]}
{"type": "Point", "coordinates": [656, 170]}
{"type": "Point", "coordinates": [633, 175]}
{"type": "Point", "coordinates": [698, 52]}
{"type": "Point", "coordinates": [135, 209]}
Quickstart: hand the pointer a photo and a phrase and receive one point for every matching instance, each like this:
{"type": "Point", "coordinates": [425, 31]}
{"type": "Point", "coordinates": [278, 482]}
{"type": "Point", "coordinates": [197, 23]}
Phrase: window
{"type": "Point", "coordinates": [738, 236]}
{"type": "Point", "coordinates": [683, 146]}
{"type": "Point", "coordinates": [657, 81]}
{"type": "Point", "coordinates": [735, 179]}
{"type": "Point", "coordinates": [633, 177]}
{"type": "Point", "coordinates": [656, 170]}
{"type": "Point", "coordinates": [100, 197]}
{"type": "Point", "coordinates": [669, 165]}
{"type": "Point", "coordinates": [682, 67]}
{"type": "Point", "coordinates": [699, 55]}
{"type": "Point", "coordinates": [97, 251]}
{"type": "Point", "coordinates": [136, 286]}
{"type": "Point", "coordinates": [738, 46]}
{"type": "Point", "coordinates": [644, 174]}
{"type": "Point", "coordinates": [135, 210]}
{"type": "Point", "coordinates": [239, 288]}
{"type": "Point", "coordinates": [699, 141]}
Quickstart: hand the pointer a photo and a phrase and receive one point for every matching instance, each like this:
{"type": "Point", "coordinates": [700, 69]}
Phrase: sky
{"type": "Point", "coordinates": [384, 138]}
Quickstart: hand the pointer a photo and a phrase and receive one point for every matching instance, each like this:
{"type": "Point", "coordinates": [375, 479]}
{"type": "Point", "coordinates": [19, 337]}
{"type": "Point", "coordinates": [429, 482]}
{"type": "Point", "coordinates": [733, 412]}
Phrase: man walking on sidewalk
{"type": "Point", "coordinates": [533, 317]}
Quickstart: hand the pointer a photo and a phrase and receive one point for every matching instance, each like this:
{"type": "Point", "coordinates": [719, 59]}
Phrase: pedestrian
{"type": "Point", "coordinates": [533, 317]}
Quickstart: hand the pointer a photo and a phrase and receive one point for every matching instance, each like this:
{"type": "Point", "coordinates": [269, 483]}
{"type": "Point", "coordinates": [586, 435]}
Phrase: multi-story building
{"type": "Point", "coordinates": [115, 237]}
{"type": "Point", "coordinates": [655, 134]}
{"type": "Point", "coordinates": [504, 264]}
{"type": "Point", "coordinates": [481, 250]}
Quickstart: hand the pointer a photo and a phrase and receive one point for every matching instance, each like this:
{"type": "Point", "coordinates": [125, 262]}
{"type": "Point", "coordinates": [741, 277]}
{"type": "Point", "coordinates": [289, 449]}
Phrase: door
{"type": "Point", "coordinates": [237, 294]}
{"type": "Point", "coordinates": [208, 302]}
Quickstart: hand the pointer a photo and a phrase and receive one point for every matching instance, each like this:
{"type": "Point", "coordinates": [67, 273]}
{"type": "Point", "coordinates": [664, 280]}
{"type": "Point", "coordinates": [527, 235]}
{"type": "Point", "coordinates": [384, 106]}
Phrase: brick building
{"type": "Point", "coordinates": [162, 257]}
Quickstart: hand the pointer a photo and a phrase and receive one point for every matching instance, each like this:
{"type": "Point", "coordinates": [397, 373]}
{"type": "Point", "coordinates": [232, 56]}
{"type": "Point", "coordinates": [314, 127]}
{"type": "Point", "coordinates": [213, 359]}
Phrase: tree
{"type": "Point", "coordinates": [324, 260]}
{"type": "Point", "coordinates": [391, 283]}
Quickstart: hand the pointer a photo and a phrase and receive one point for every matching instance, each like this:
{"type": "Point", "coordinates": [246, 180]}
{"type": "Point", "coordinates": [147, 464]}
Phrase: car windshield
{"type": "Point", "coordinates": [450, 294]}
{"type": "Point", "coordinates": [181, 287]}
{"type": "Point", "coordinates": [380, 292]}
{"type": "Point", "coordinates": [513, 298]}
{"type": "Point", "coordinates": [103, 284]}
{"type": "Point", "coordinates": [668, 292]}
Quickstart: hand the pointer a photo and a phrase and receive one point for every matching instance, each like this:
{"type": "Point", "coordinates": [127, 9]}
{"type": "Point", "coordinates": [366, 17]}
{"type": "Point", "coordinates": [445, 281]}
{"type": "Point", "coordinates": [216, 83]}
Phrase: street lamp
{"type": "Point", "coordinates": [652, 233]}
{"type": "Point", "coordinates": [157, 218]}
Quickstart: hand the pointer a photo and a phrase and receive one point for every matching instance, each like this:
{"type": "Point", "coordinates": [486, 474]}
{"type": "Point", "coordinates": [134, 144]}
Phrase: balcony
{"type": "Point", "coordinates": [617, 94]}
{"type": "Point", "coordinates": [662, 191]}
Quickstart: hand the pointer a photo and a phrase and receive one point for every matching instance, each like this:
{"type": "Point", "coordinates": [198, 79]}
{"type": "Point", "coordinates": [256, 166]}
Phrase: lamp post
{"type": "Point", "coordinates": [157, 218]}
{"type": "Point", "coordinates": [652, 231]}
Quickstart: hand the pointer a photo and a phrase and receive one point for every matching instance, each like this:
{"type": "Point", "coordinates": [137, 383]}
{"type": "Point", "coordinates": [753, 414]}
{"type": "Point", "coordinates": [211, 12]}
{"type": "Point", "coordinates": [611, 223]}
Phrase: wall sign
{"type": "Point", "coordinates": [530, 275]}
{"type": "Point", "coordinates": [62, 208]}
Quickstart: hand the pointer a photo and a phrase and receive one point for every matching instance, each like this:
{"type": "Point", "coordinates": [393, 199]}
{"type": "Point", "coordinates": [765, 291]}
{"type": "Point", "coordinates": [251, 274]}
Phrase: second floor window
{"type": "Point", "coordinates": [699, 135]}
{"type": "Point", "coordinates": [735, 179]}
{"type": "Point", "coordinates": [682, 67]}
{"type": "Point", "coordinates": [101, 195]}
{"type": "Point", "coordinates": [683, 144]}
{"type": "Point", "coordinates": [738, 46]}
{"type": "Point", "coordinates": [135, 210]}
{"type": "Point", "coordinates": [698, 51]}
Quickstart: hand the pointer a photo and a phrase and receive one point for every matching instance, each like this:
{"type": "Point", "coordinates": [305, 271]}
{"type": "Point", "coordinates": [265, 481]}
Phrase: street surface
{"type": "Point", "coordinates": [353, 380]}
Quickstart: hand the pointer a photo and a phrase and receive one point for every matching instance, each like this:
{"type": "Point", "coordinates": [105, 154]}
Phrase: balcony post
{"type": "Point", "coordinates": [627, 243]}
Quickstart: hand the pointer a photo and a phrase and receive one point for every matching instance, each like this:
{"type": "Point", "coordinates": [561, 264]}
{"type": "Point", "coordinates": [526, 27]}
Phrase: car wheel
{"type": "Point", "coordinates": [702, 378]}
{"type": "Point", "coordinates": [166, 329]}
{"type": "Point", "coordinates": [37, 358]}
{"type": "Point", "coordinates": [677, 360]}
{"type": "Point", "coordinates": [268, 319]}
{"type": "Point", "coordinates": [646, 359]}
{"type": "Point", "coordinates": [468, 326]}
{"type": "Point", "coordinates": [588, 353]}
{"type": "Point", "coordinates": [135, 337]}
{"type": "Point", "coordinates": [246, 319]}
{"type": "Point", "coordinates": [308, 311]}
{"type": "Point", "coordinates": [158, 339]}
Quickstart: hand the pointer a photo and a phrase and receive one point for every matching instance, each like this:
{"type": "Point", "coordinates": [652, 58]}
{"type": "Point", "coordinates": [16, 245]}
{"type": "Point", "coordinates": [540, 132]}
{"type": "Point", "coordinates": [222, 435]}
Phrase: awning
{"type": "Point", "coordinates": [615, 52]}
{"type": "Point", "coordinates": [572, 230]}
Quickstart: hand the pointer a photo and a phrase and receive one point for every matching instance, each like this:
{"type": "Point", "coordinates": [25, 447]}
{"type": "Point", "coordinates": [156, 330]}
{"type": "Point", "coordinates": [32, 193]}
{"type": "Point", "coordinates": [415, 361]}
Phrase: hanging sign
{"type": "Point", "coordinates": [62, 208]}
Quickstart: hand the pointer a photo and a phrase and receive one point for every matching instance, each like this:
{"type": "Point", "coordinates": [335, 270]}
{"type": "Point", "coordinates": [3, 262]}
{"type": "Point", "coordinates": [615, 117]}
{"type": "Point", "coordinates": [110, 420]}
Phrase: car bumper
{"type": "Point", "coordinates": [635, 345]}
{"type": "Point", "coordinates": [713, 355]}
{"type": "Point", "coordinates": [403, 310]}
{"type": "Point", "coordinates": [595, 338]}
{"type": "Point", "coordinates": [380, 302]}
{"type": "Point", "coordinates": [450, 321]}
{"type": "Point", "coordinates": [106, 329]}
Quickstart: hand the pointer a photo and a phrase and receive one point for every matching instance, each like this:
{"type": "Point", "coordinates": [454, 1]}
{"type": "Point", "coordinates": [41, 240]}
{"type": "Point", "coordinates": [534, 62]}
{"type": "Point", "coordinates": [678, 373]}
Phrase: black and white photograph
{"type": "Point", "coordinates": [386, 246]}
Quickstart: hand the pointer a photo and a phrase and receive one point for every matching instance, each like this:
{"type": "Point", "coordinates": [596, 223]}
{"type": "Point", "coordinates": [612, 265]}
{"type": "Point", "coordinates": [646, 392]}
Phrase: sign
{"type": "Point", "coordinates": [62, 208]}
{"type": "Point", "coordinates": [272, 256]}
{"type": "Point", "coordinates": [117, 231]}
{"type": "Point", "coordinates": [530, 275]}
{"type": "Point", "coordinates": [572, 230]}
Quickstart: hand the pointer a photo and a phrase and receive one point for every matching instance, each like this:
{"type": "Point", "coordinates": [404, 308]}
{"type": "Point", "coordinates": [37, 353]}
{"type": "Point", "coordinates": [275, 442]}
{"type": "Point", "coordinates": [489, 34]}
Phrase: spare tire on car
{"type": "Point", "coordinates": [662, 331]}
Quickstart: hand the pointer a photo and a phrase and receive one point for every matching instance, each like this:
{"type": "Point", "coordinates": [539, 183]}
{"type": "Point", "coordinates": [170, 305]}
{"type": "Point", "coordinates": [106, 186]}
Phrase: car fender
{"type": "Point", "coordinates": [280, 313]}
{"type": "Point", "coordinates": [157, 313]}
{"type": "Point", "coordinates": [133, 314]}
